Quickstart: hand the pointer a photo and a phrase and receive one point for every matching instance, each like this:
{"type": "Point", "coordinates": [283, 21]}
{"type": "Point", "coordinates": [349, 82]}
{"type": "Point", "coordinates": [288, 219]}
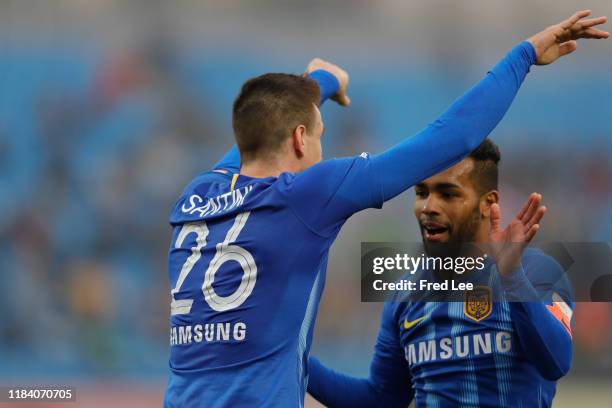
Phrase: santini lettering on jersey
{"type": "Point", "coordinates": [210, 206]}
{"type": "Point", "coordinates": [460, 346]}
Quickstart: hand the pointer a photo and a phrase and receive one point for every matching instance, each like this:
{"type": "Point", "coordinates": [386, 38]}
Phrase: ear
{"type": "Point", "coordinates": [486, 201]}
{"type": "Point", "coordinates": [299, 144]}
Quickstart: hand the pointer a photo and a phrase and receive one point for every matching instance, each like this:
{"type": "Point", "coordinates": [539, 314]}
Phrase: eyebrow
{"type": "Point", "coordinates": [447, 186]}
{"type": "Point", "coordinates": [440, 186]}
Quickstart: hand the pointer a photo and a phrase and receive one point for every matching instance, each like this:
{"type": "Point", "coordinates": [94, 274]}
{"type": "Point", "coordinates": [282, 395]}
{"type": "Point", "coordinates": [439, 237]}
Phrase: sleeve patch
{"type": "Point", "coordinates": [567, 311]}
{"type": "Point", "coordinates": [561, 311]}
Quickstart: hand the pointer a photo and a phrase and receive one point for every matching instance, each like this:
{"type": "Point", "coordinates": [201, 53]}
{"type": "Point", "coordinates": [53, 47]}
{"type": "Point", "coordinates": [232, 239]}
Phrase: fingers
{"type": "Point", "coordinates": [530, 206]}
{"type": "Point", "coordinates": [567, 48]}
{"type": "Point", "coordinates": [537, 217]}
{"type": "Point", "coordinates": [523, 210]}
{"type": "Point", "coordinates": [319, 63]}
{"type": "Point", "coordinates": [532, 232]}
{"type": "Point", "coordinates": [534, 204]}
{"type": "Point", "coordinates": [341, 75]}
{"type": "Point", "coordinates": [566, 24]}
{"type": "Point", "coordinates": [593, 22]}
{"type": "Point", "coordinates": [593, 33]}
{"type": "Point", "coordinates": [313, 65]}
{"type": "Point", "coordinates": [342, 99]}
{"type": "Point", "coordinates": [495, 217]}
{"type": "Point", "coordinates": [585, 29]}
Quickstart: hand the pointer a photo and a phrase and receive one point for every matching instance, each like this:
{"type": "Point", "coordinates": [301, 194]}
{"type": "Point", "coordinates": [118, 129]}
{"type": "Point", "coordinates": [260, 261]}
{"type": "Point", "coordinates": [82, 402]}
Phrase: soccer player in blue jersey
{"type": "Point", "coordinates": [479, 352]}
{"type": "Point", "coordinates": [250, 240]}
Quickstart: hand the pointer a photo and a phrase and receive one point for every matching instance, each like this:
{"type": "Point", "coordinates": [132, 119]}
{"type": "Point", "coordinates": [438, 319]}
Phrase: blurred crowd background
{"type": "Point", "coordinates": [108, 108]}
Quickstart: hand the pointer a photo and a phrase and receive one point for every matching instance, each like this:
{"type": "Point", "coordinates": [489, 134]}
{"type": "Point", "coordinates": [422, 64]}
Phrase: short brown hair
{"type": "Point", "coordinates": [268, 109]}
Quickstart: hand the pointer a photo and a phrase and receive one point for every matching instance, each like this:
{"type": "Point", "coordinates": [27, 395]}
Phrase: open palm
{"type": "Point", "coordinates": [560, 39]}
{"type": "Point", "coordinates": [507, 244]}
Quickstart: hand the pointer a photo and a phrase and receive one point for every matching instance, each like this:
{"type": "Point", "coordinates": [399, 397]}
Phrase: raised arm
{"type": "Point", "coordinates": [388, 385]}
{"type": "Point", "coordinates": [459, 130]}
{"type": "Point", "coordinates": [473, 116]}
{"type": "Point", "coordinates": [346, 186]}
{"type": "Point", "coordinates": [543, 327]}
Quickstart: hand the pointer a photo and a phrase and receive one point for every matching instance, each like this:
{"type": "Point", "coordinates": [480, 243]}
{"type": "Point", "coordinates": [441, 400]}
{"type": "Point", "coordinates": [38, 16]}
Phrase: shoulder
{"type": "Point", "coordinates": [327, 174]}
{"type": "Point", "coordinates": [537, 262]}
{"type": "Point", "coordinates": [394, 309]}
{"type": "Point", "coordinates": [545, 273]}
{"type": "Point", "coordinates": [207, 178]}
{"type": "Point", "coordinates": [194, 195]}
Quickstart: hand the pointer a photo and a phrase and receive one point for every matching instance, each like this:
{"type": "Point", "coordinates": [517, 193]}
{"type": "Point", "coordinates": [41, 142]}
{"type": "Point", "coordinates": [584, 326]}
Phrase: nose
{"type": "Point", "coordinates": [430, 205]}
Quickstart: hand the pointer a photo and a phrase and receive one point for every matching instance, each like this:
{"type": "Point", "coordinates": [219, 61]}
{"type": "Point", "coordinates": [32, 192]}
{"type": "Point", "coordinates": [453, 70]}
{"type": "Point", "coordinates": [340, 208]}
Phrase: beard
{"type": "Point", "coordinates": [460, 238]}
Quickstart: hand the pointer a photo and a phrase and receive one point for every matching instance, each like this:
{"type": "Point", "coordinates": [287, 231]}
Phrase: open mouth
{"type": "Point", "coordinates": [434, 232]}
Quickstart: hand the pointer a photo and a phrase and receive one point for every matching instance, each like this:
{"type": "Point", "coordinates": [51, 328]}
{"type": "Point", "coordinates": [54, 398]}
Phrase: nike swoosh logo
{"type": "Point", "coordinates": [412, 323]}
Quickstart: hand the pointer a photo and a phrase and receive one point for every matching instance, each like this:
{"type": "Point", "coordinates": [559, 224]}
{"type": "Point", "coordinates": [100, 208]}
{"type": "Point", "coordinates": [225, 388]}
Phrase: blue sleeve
{"type": "Point", "coordinates": [388, 385]}
{"type": "Point", "coordinates": [543, 328]}
{"type": "Point", "coordinates": [444, 142]}
{"type": "Point", "coordinates": [328, 87]}
{"type": "Point", "coordinates": [328, 84]}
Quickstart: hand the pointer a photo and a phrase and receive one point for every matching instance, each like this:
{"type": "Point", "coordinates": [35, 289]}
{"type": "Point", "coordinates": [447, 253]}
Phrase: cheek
{"type": "Point", "coordinates": [417, 208]}
{"type": "Point", "coordinates": [465, 215]}
{"type": "Point", "coordinates": [457, 214]}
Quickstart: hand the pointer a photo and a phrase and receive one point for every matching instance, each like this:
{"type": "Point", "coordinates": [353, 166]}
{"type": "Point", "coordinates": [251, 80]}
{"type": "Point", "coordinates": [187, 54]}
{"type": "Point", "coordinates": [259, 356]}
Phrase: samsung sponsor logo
{"type": "Point", "coordinates": [209, 332]}
{"type": "Point", "coordinates": [458, 347]}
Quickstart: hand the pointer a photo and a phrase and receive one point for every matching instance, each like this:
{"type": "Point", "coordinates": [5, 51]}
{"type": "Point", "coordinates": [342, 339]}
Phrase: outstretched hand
{"type": "Point", "coordinates": [508, 244]}
{"type": "Point", "coordinates": [560, 39]}
{"type": "Point", "coordinates": [341, 75]}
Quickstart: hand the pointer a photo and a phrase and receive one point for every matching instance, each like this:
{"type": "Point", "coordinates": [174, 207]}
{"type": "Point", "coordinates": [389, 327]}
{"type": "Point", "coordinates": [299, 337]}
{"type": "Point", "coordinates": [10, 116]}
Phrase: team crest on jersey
{"type": "Point", "coordinates": [478, 305]}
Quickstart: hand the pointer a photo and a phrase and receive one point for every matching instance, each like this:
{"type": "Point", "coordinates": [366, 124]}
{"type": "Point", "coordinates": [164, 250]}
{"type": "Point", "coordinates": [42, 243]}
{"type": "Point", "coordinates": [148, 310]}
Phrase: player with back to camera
{"type": "Point", "coordinates": [488, 350]}
{"type": "Point", "coordinates": [250, 239]}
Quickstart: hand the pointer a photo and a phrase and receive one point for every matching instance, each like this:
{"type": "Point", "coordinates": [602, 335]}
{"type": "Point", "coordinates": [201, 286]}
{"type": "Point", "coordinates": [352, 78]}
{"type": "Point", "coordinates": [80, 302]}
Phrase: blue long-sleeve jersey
{"type": "Point", "coordinates": [475, 353]}
{"type": "Point", "coordinates": [248, 256]}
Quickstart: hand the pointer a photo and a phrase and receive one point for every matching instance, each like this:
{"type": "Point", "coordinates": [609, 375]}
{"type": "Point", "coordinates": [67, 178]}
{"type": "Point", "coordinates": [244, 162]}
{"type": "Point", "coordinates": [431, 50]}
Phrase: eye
{"type": "Point", "coordinates": [447, 195]}
{"type": "Point", "coordinates": [421, 193]}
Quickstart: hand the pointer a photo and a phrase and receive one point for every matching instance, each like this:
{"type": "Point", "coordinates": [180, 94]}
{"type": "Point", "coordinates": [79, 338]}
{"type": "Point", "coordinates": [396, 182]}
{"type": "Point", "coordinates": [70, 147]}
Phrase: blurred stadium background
{"type": "Point", "coordinates": [107, 108]}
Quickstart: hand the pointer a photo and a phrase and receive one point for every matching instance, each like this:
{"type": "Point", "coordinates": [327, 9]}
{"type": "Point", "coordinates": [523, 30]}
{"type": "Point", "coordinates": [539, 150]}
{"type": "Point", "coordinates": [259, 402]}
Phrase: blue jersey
{"type": "Point", "coordinates": [248, 256]}
{"type": "Point", "coordinates": [475, 353]}
{"type": "Point", "coordinates": [247, 267]}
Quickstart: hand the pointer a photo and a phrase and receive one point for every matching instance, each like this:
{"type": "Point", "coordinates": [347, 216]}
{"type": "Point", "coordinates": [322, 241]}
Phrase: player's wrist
{"type": "Point", "coordinates": [329, 85]}
{"type": "Point", "coordinates": [530, 50]}
{"type": "Point", "coordinates": [527, 49]}
{"type": "Point", "coordinates": [517, 286]}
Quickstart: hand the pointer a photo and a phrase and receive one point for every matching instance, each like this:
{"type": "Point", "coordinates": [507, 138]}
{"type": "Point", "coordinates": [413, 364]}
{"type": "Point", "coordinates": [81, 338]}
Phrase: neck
{"type": "Point", "coordinates": [482, 234]}
{"type": "Point", "coordinates": [267, 168]}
